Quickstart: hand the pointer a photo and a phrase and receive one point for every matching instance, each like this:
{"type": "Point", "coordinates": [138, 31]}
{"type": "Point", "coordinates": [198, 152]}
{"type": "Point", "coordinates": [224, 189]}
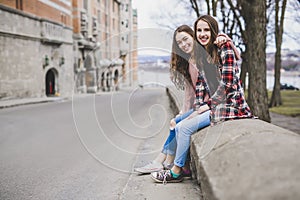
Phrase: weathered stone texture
{"type": "Point", "coordinates": [23, 52]}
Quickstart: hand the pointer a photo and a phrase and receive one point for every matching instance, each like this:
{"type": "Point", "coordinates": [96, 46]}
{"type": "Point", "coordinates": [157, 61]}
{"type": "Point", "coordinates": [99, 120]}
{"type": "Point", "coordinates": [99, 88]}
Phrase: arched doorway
{"type": "Point", "coordinates": [103, 81]}
{"type": "Point", "coordinates": [108, 81]}
{"type": "Point", "coordinates": [116, 80]}
{"type": "Point", "coordinates": [50, 83]}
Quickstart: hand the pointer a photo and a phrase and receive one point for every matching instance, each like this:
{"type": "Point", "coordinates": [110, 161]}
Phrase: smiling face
{"type": "Point", "coordinates": [203, 33]}
{"type": "Point", "coordinates": [185, 42]}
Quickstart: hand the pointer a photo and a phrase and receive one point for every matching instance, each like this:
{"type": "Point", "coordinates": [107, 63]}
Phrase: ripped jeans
{"type": "Point", "coordinates": [178, 141]}
{"type": "Point", "coordinates": [184, 130]}
{"type": "Point", "coordinates": [170, 145]}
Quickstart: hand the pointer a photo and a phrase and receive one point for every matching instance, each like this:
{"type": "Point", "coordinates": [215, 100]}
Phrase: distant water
{"type": "Point", "coordinates": [291, 78]}
{"type": "Point", "coordinates": [159, 79]}
{"type": "Point", "coordinates": [152, 78]}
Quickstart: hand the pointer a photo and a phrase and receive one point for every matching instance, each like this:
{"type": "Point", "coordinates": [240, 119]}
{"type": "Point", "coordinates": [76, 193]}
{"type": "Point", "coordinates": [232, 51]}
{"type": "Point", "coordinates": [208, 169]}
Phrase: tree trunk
{"type": "Point", "coordinates": [208, 7]}
{"type": "Point", "coordinates": [276, 96]}
{"type": "Point", "coordinates": [244, 70]}
{"type": "Point", "coordinates": [195, 7]}
{"type": "Point", "coordinates": [214, 7]}
{"type": "Point", "coordinates": [254, 14]}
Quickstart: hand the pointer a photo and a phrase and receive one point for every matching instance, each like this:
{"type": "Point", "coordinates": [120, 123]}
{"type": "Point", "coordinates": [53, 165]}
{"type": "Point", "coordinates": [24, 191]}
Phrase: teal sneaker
{"type": "Point", "coordinates": [165, 177]}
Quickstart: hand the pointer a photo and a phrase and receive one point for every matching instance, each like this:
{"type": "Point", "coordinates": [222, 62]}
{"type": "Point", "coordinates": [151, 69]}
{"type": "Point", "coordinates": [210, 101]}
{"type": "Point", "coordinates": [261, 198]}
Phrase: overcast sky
{"type": "Point", "coordinates": [149, 12]}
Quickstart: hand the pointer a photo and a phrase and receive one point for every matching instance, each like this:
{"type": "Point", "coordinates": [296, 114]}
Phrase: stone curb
{"type": "Point", "coordinates": [245, 159]}
{"type": "Point", "coordinates": [28, 101]}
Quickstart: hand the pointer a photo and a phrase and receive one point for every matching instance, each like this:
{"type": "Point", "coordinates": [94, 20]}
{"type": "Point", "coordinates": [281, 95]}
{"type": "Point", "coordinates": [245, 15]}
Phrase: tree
{"type": "Point", "coordinates": [211, 6]}
{"type": "Point", "coordinates": [195, 7]}
{"type": "Point", "coordinates": [246, 20]}
{"type": "Point", "coordinates": [279, 18]}
{"type": "Point", "coordinates": [254, 15]}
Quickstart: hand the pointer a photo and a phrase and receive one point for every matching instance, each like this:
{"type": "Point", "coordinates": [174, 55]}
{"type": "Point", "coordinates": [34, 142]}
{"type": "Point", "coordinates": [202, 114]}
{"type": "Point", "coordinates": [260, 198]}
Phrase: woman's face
{"type": "Point", "coordinates": [203, 33]}
{"type": "Point", "coordinates": [185, 42]}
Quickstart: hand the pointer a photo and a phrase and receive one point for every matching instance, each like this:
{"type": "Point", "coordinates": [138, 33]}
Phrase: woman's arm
{"type": "Point", "coordinates": [223, 38]}
{"type": "Point", "coordinates": [227, 75]}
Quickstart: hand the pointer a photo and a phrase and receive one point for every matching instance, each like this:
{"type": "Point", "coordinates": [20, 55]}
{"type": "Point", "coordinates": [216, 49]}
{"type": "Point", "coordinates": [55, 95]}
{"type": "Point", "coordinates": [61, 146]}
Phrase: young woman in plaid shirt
{"type": "Point", "coordinates": [227, 100]}
{"type": "Point", "coordinates": [184, 75]}
{"type": "Point", "coordinates": [219, 76]}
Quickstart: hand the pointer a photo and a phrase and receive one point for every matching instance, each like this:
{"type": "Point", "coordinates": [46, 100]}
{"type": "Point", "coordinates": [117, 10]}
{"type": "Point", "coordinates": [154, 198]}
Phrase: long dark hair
{"type": "Point", "coordinates": [207, 57]}
{"type": "Point", "coordinates": [179, 67]}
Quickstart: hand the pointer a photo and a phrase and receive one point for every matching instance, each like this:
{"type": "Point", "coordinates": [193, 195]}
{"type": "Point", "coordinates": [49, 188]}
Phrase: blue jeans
{"type": "Point", "coordinates": [170, 144]}
{"type": "Point", "coordinates": [184, 130]}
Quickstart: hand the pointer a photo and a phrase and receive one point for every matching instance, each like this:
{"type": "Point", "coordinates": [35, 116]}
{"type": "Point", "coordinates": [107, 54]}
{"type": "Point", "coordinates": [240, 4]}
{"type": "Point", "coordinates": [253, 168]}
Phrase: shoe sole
{"type": "Point", "coordinates": [187, 175]}
{"type": "Point", "coordinates": [147, 172]}
{"type": "Point", "coordinates": [172, 181]}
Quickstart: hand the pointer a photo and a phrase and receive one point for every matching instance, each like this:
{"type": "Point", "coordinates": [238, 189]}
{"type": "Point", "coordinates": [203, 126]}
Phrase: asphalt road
{"type": "Point", "coordinates": [86, 148]}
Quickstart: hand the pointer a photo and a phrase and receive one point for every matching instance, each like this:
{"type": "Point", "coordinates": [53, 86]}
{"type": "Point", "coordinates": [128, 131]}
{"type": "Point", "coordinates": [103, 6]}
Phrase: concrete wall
{"type": "Point", "coordinates": [25, 40]}
{"type": "Point", "coordinates": [245, 159]}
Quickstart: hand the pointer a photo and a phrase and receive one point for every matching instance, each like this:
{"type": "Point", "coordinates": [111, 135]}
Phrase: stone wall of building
{"type": "Point", "coordinates": [30, 47]}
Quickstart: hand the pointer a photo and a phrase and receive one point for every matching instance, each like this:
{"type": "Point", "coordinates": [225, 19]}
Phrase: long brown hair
{"type": "Point", "coordinates": [207, 57]}
{"type": "Point", "coordinates": [211, 48]}
{"type": "Point", "coordinates": [179, 67]}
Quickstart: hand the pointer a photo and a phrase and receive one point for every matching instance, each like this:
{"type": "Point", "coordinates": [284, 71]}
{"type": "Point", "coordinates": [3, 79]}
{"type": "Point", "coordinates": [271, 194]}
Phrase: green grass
{"type": "Point", "coordinates": [290, 103]}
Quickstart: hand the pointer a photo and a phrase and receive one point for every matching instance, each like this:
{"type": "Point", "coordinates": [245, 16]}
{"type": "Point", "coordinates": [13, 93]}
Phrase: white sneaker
{"type": "Point", "coordinates": [168, 166]}
{"type": "Point", "coordinates": [149, 168]}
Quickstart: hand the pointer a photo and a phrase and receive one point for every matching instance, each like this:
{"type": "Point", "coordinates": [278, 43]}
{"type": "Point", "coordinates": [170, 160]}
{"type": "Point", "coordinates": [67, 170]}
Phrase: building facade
{"type": "Point", "coordinates": [134, 48]}
{"type": "Point", "coordinates": [128, 42]}
{"type": "Point", "coordinates": [99, 27]}
{"type": "Point", "coordinates": [36, 48]}
{"type": "Point", "coordinates": [58, 47]}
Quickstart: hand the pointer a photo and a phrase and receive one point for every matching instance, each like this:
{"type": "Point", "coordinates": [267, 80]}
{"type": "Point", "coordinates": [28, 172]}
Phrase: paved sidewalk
{"type": "Point", "coordinates": [34, 100]}
{"type": "Point", "coordinates": [25, 101]}
{"type": "Point", "coordinates": [290, 123]}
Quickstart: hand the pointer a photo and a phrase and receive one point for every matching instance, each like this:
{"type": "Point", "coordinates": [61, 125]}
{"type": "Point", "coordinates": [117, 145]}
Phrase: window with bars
{"type": "Point", "coordinates": [19, 4]}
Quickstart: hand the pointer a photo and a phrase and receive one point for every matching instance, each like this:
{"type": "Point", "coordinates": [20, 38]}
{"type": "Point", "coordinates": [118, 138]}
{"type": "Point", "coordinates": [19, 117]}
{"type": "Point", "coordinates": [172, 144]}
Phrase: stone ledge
{"type": "Point", "coordinates": [245, 159]}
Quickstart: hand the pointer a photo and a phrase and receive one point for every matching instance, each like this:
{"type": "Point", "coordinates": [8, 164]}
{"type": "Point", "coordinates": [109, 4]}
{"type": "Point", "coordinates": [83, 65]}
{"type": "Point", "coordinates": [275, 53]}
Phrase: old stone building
{"type": "Point", "coordinates": [128, 42]}
{"type": "Point", "coordinates": [102, 40]}
{"type": "Point", "coordinates": [95, 23]}
{"type": "Point", "coordinates": [36, 49]}
{"type": "Point", "coordinates": [58, 47]}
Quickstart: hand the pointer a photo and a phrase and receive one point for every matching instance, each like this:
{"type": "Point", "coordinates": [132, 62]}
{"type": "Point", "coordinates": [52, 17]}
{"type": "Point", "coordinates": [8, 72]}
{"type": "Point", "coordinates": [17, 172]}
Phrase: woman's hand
{"type": "Point", "coordinates": [195, 113]}
{"type": "Point", "coordinates": [203, 108]}
{"type": "Point", "coordinates": [221, 39]}
{"type": "Point", "coordinates": [177, 115]}
{"type": "Point", "coordinates": [199, 111]}
{"type": "Point", "coordinates": [172, 123]}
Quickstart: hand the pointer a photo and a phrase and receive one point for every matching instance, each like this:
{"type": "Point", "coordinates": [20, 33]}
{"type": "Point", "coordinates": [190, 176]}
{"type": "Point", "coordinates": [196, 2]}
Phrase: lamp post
{"type": "Point", "coordinates": [61, 61]}
{"type": "Point", "coordinates": [46, 61]}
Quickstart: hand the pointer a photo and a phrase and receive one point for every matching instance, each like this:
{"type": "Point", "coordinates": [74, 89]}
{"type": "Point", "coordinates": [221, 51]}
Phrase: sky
{"type": "Point", "coordinates": [150, 11]}
{"type": "Point", "coordinates": [152, 38]}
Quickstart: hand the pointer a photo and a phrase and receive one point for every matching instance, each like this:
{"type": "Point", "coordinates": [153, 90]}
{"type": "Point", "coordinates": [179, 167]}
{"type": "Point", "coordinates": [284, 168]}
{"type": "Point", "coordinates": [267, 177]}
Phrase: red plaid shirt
{"type": "Point", "coordinates": [228, 102]}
